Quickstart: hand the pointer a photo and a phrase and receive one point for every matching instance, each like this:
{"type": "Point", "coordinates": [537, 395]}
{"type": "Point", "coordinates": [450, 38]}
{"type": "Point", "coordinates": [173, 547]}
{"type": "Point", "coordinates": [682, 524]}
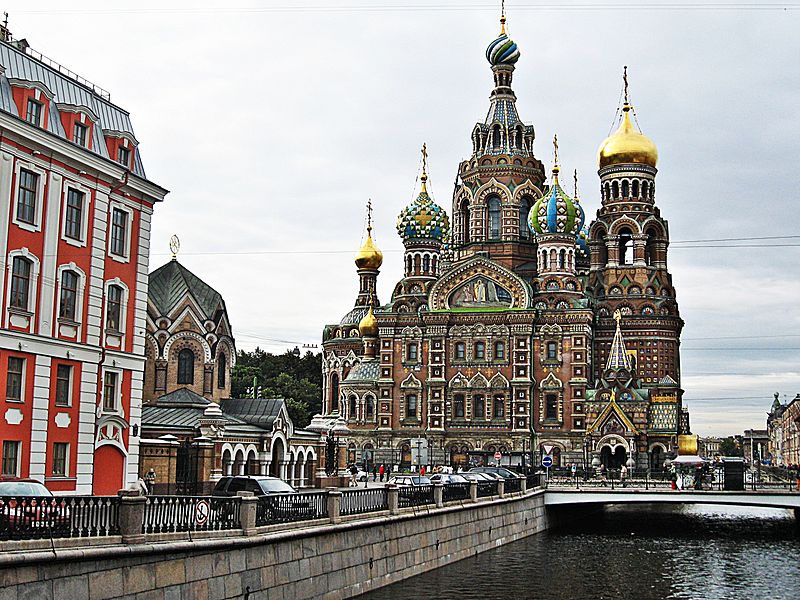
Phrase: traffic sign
{"type": "Point", "coordinates": [497, 456]}
{"type": "Point", "coordinates": [547, 461]}
{"type": "Point", "coordinates": [202, 510]}
{"type": "Point", "coordinates": [548, 448]}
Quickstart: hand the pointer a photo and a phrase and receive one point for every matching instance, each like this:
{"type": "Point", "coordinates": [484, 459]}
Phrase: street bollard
{"type": "Point", "coordinates": [247, 512]}
{"type": "Point", "coordinates": [334, 505]}
{"type": "Point", "coordinates": [473, 491]}
{"type": "Point", "coordinates": [501, 489]}
{"type": "Point", "coordinates": [393, 498]}
{"type": "Point", "coordinates": [131, 516]}
{"type": "Point", "coordinates": [438, 494]}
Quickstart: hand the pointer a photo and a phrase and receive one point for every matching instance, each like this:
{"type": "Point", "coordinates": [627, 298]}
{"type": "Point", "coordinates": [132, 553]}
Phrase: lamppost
{"type": "Point", "coordinates": [586, 445]}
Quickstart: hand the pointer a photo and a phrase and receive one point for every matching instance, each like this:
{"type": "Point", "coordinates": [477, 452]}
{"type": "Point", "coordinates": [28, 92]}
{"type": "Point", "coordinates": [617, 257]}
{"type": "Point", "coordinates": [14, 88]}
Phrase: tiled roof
{"type": "Point", "coordinates": [66, 90]}
{"type": "Point", "coordinates": [168, 285]}
{"type": "Point", "coordinates": [364, 371]}
{"type": "Point", "coordinates": [183, 397]}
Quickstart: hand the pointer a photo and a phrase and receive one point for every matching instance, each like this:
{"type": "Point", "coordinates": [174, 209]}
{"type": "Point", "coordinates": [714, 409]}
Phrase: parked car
{"type": "Point", "coordinates": [502, 471]}
{"type": "Point", "coordinates": [260, 485]}
{"type": "Point", "coordinates": [448, 478]}
{"type": "Point", "coordinates": [42, 511]}
{"type": "Point", "coordinates": [410, 480]}
{"type": "Point", "coordinates": [481, 477]}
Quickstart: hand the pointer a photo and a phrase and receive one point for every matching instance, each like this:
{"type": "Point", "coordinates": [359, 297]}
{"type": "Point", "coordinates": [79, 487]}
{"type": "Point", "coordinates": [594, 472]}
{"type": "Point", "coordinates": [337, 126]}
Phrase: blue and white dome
{"type": "Point", "coordinates": [556, 212]}
{"type": "Point", "coordinates": [502, 51]}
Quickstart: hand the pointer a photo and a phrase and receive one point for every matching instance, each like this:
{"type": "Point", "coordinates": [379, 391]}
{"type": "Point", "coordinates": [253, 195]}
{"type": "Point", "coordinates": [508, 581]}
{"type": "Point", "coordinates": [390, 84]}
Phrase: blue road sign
{"type": "Point", "coordinates": [547, 461]}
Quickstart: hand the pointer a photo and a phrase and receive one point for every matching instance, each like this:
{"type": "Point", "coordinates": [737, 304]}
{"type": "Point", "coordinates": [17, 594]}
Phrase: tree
{"type": "Point", "coordinates": [296, 379]}
{"type": "Point", "coordinates": [729, 447]}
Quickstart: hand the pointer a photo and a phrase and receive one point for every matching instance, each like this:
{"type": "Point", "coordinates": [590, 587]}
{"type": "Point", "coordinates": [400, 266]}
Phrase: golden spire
{"type": "Point", "coordinates": [502, 17]}
{"type": "Point", "coordinates": [368, 256]}
{"type": "Point", "coordinates": [424, 176]}
{"type": "Point", "coordinates": [368, 325]}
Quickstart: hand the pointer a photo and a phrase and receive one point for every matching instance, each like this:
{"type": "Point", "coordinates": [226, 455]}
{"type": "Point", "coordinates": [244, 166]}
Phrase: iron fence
{"type": "Point", "coordinates": [512, 485]}
{"type": "Point", "coordinates": [167, 514]}
{"type": "Point", "coordinates": [455, 491]}
{"type": "Point", "coordinates": [26, 517]}
{"type": "Point", "coordinates": [288, 508]}
{"type": "Point", "coordinates": [415, 495]}
{"type": "Point", "coordinates": [356, 502]}
{"type": "Point", "coordinates": [487, 488]}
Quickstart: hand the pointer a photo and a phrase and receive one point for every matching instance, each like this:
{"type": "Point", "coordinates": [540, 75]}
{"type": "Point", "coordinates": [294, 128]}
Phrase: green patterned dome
{"type": "Point", "coordinates": [556, 212]}
{"type": "Point", "coordinates": [423, 219]}
{"type": "Point", "coordinates": [502, 51]}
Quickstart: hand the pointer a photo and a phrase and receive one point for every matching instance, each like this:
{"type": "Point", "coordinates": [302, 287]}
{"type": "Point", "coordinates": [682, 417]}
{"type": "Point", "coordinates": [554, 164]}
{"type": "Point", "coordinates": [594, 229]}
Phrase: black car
{"type": "Point", "coordinates": [501, 471]}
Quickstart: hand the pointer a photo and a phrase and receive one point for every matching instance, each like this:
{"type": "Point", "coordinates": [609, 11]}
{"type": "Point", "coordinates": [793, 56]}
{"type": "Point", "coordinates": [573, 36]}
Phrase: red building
{"type": "Point", "coordinates": [75, 211]}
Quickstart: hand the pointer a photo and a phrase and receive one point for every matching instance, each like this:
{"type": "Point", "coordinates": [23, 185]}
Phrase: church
{"type": "Point", "coordinates": [519, 327]}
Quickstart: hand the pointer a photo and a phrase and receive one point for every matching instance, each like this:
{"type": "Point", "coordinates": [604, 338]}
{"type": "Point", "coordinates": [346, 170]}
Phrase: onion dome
{"type": "Point", "coordinates": [423, 219]}
{"type": "Point", "coordinates": [503, 50]}
{"type": "Point", "coordinates": [626, 145]}
{"type": "Point", "coordinates": [368, 256]}
{"type": "Point", "coordinates": [368, 326]}
{"type": "Point", "coordinates": [583, 241]}
{"type": "Point", "coordinates": [556, 212]}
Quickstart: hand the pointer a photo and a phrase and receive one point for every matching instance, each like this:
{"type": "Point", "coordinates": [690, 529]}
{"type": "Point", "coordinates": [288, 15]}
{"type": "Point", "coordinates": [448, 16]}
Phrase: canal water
{"type": "Point", "coordinates": [704, 552]}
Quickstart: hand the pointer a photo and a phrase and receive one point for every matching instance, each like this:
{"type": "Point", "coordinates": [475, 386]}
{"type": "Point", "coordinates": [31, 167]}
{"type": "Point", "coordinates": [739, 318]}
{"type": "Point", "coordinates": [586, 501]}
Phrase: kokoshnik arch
{"type": "Point", "coordinates": [516, 324]}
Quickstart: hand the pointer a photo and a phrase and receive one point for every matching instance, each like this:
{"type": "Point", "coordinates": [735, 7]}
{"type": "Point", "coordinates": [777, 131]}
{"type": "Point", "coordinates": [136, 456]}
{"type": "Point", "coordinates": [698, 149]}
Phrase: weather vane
{"type": "Point", "coordinates": [174, 246]}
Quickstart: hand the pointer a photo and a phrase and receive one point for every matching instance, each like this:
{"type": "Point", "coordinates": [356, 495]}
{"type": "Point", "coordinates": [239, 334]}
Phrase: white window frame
{"type": "Point", "coordinates": [66, 462]}
{"type": "Point", "coordinates": [70, 384]}
{"type": "Point", "coordinates": [19, 456]}
{"type": "Point", "coordinates": [117, 394]}
{"type": "Point", "coordinates": [87, 200]}
{"type": "Point", "coordinates": [112, 206]}
{"type": "Point", "coordinates": [33, 282]}
{"type": "Point", "coordinates": [37, 225]}
{"type": "Point", "coordinates": [123, 307]}
{"type": "Point", "coordinates": [22, 381]}
{"type": "Point", "coordinates": [78, 296]}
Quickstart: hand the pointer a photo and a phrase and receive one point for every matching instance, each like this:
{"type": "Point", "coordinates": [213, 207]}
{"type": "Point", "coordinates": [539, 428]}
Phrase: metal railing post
{"type": "Point", "coordinates": [438, 494]}
{"type": "Point", "coordinates": [473, 491]}
{"type": "Point", "coordinates": [501, 488]}
{"type": "Point", "coordinates": [131, 517]}
{"type": "Point", "coordinates": [523, 485]}
{"type": "Point", "coordinates": [334, 505]}
{"type": "Point", "coordinates": [393, 499]}
{"type": "Point", "coordinates": [247, 512]}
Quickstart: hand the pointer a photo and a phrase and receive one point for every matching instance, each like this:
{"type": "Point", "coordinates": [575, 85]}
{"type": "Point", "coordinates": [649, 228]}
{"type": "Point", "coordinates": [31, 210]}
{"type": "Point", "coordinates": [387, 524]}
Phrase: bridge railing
{"type": "Point", "coordinates": [452, 492]}
{"type": "Point", "coordinates": [26, 517]}
{"type": "Point", "coordinates": [416, 495]}
{"type": "Point", "coordinates": [487, 488]}
{"type": "Point", "coordinates": [356, 502]}
{"type": "Point", "coordinates": [288, 508]}
{"type": "Point", "coordinates": [169, 514]}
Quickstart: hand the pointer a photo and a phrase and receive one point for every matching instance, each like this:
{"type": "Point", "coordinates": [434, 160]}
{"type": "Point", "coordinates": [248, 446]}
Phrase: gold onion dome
{"type": "Point", "coordinates": [368, 256]}
{"type": "Point", "coordinates": [627, 146]}
{"type": "Point", "coordinates": [368, 326]}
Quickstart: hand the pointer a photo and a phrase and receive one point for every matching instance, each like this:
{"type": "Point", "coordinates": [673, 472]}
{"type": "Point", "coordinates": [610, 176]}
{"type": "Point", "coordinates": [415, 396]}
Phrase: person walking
{"type": "Point", "coordinates": [623, 475]}
{"type": "Point", "coordinates": [603, 479]}
{"type": "Point", "coordinates": [374, 472]}
{"type": "Point", "coordinates": [381, 471]}
{"type": "Point", "coordinates": [353, 473]}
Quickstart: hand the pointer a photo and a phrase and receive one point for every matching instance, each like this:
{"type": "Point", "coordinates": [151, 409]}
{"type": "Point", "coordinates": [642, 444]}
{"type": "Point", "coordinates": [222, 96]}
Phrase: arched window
{"type": "Point", "coordinates": [497, 138]}
{"type": "Point", "coordinates": [551, 407]}
{"type": "Point", "coordinates": [562, 259]}
{"type": "Point", "coordinates": [499, 351]}
{"type": "Point", "coordinates": [636, 188]}
{"type": "Point", "coordinates": [607, 189]}
{"type": "Point", "coordinates": [460, 353]}
{"type": "Point", "coordinates": [644, 190]}
{"type": "Point", "coordinates": [625, 247]}
{"type": "Point", "coordinates": [458, 406]}
{"type": "Point", "coordinates": [615, 189]}
{"type": "Point", "coordinates": [186, 366]}
{"type": "Point", "coordinates": [478, 407]}
{"type": "Point", "coordinates": [334, 398]}
{"type": "Point", "coordinates": [370, 407]}
{"type": "Point", "coordinates": [479, 351]}
{"type": "Point", "coordinates": [222, 364]}
{"type": "Point", "coordinates": [114, 308]}
{"type": "Point", "coordinates": [20, 282]}
{"type": "Point", "coordinates": [411, 406]}
{"type": "Point", "coordinates": [524, 210]}
{"type": "Point", "coordinates": [552, 351]}
{"type": "Point", "coordinates": [465, 221]}
{"type": "Point", "coordinates": [493, 205]}
{"type": "Point", "coordinates": [426, 264]}
{"type": "Point", "coordinates": [69, 295]}
{"type": "Point", "coordinates": [625, 189]}
{"type": "Point", "coordinates": [352, 408]}
{"type": "Point", "coordinates": [498, 407]}
{"type": "Point", "coordinates": [650, 247]}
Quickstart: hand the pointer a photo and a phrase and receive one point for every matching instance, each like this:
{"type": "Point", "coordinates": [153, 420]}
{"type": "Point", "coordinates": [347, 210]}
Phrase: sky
{"type": "Point", "coordinates": [272, 123]}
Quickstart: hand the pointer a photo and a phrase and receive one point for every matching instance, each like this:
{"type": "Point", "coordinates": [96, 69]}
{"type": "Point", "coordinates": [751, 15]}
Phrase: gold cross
{"type": "Point", "coordinates": [625, 81]}
{"type": "Point", "coordinates": [576, 183]}
{"type": "Point", "coordinates": [424, 160]}
{"type": "Point", "coordinates": [369, 216]}
{"type": "Point", "coordinates": [555, 148]}
{"type": "Point", "coordinates": [424, 218]}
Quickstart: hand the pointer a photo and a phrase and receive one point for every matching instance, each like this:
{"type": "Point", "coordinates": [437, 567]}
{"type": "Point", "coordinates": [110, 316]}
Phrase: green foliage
{"type": "Point", "coordinates": [729, 447]}
{"type": "Point", "coordinates": [296, 379]}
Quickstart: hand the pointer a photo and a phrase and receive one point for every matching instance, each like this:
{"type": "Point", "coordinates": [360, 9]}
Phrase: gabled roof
{"type": "Point", "coordinates": [182, 397]}
{"type": "Point", "coordinates": [612, 407]}
{"type": "Point", "coordinates": [366, 370]}
{"type": "Point", "coordinates": [256, 411]}
{"type": "Point", "coordinates": [171, 282]}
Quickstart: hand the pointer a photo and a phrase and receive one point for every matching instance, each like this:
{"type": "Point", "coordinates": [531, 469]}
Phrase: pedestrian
{"type": "Point", "coordinates": [603, 479]}
{"type": "Point", "coordinates": [623, 474]}
{"type": "Point", "coordinates": [673, 477]}
{"type": "Point", "coordinates": [381, 471]}
{"type": "Point", "coordinates": [422, 470]}
{"type": "Point", "coordinates": [574, 470]}
{"type": "Point", "coordinates": [353, 474]}
{"type": "Point", "coordinates": [374, 472]}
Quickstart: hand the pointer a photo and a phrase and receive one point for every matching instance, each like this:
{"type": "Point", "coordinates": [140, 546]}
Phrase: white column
{"type": "Point", "coordinates": [6, 172]}
{"type": "Point", "coordinates": [140, 302]}
{"type": "Point", "coordinates": [96, 275]}
{"type": "Point", "coordinates": [86, 419]}
{"type": "Point", "coordinates": [39, 417]}
{"type": "Point", "coordinates": [135, 417]}
{"type": "Point", "coordinates": [49, 258]}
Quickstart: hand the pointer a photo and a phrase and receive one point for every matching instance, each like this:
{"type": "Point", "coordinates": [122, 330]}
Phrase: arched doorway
{"type": "Point", "coordinates": [405, 457]}
{"type": "Point", "coordinates": [656, 458]}
{"type": "Point", "coordinates": [109, 471]}
{"type": "Point", "coordinates": [276, 463]}
{"type": "Point", "coordinates": [613, 458]}
{"type": "Point", "coordinates": [620, 457]}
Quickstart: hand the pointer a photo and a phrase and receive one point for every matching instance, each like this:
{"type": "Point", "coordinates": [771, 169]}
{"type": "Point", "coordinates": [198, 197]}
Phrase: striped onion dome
{"type": "Point", "coordinates": [556, 212]}
{"type": "Point", "coordinates": [502, 51]}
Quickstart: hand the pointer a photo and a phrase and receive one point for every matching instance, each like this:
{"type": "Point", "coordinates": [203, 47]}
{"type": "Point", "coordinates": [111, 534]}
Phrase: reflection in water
{"type": "Point", "coordinates": [646, 552]}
